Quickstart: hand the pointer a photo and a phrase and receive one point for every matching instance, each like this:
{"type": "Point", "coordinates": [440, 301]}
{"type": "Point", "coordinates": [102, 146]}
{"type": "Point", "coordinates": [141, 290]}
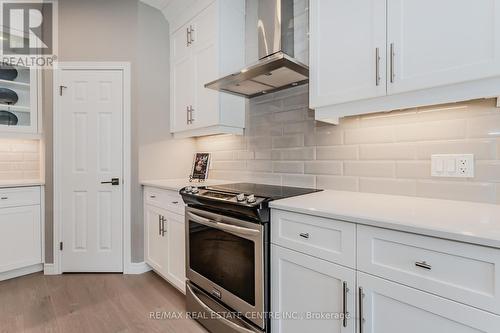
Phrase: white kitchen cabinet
{"type": "Point", "coordinates": [20, 231]}
{"type": "Point", "coordinates": [405, 282]}
{"type": "Point", "coordinates": [164, 235]}
{"type": "Point", "coordinates": [25, 110]}
{"type": "Point", "coordinates": [303, 286]}
{"type": "Point", "coordinates": [348, 45]}
{"type": "Point", "coordinates": [20, 237]}
{"type": "Point", "coordinates": [442, 42]}
{"type": "Point", "coordinates": [176, 265]}
{"type": "Point", "coordinates": [208, 46]}
{"type": "Point", "coordinates": [387, 307]}
{"type": "Point", "coordinates": [432, 53]}
{"type": "Point", "coordinates": [156, 244]}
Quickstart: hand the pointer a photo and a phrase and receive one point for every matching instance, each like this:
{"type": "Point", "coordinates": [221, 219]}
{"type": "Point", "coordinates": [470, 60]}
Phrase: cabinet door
{"type": "Point", "coordinates": [182, 92]}
{"type": "Point", "coordinates": [303, 286]}
{"type": "Point", "coordinates": [180, 44]}
{"type": "Point", "coordinates": [176, 250]}
{"type": "Point", "coordinates": [437, 43]}
{"type": "Point", "coordinates": [206, 68]}
{"type": "Point", "coordinates": [346, 37]}
{"type": "Point", "coordinates": [20, 237]}
{"type": "Point", "coordinates": [156, 242]}
{"type": "Point", "coordinates": [388, 307]}
{"type": "Point", "coordinates": [24, 112]}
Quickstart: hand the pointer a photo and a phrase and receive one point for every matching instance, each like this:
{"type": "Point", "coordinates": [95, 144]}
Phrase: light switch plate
{"type": "Point", "coordinates": [453, 165]}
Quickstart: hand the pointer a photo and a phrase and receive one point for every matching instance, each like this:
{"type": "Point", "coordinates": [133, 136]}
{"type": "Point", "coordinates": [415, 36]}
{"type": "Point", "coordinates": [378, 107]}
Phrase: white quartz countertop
{"type": "Point", "coordinates": [178, 184]}
{"type": "Point", "coordinates": [20, 183]}
{"type": "Point", "coordinates": [469, 222]}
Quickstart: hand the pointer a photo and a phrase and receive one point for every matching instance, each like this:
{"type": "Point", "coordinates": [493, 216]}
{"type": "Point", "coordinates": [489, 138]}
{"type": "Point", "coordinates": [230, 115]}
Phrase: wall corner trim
{"type": "Point", "coordinates": [136, 268]}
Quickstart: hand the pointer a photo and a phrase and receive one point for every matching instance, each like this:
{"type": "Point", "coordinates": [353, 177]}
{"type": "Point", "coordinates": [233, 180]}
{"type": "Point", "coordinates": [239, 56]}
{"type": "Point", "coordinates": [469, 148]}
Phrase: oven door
{"type": "Point", "coordinates": [224, 257]}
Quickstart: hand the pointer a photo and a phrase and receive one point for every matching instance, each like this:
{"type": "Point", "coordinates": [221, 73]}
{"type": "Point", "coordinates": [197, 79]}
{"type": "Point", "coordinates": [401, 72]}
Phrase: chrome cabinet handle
{"type": "Point", "coordinates": [159, 225]}
{"type": "Point", "coordinates": [4, 198]}
{"type": "Point", "coordinates": [191, 110]}
{"type": "Point", "coordinates": [188, 37]}
{"type": "Point", "coordinates": [187, 115]}
{"type": "Point", "coordinates": [191, 30]}
{"type": "Point", "coordinates": [344, 304]}
{"type": "Point", "coordinates": [304, 235]}
{"type": "Point", "coordinates": [423, 264]}
{"type": "Point", "coordinates": [163, 220]}
{"type": "Point", "coordinates": [393, 55]}
{"type": "Point", "coordinates": [152, 196]}
{"type": "Point", "coordinates": [175, 202]}
{"type": "Point", "coordinates": [377, 66]}
{"type": "Point", "coordinates": [360, 301]}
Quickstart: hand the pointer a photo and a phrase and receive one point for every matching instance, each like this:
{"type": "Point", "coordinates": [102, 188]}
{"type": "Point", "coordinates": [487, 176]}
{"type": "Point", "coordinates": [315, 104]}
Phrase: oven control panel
{"type": "Point", "coordinates": [237, 198]}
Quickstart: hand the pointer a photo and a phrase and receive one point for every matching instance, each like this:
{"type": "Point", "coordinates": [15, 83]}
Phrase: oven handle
{"type": "Point", "coordinates": [234, 326]}
{"type": "Point", "coordinates": [222, 226]}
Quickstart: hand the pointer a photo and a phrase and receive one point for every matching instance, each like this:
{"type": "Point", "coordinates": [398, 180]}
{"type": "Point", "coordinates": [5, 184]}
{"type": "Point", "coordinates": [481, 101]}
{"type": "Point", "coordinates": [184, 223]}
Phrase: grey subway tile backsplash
{"type": "Point", "coordinates": [382, 153]}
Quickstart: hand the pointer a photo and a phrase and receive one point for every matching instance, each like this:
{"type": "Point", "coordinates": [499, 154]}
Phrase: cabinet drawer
{"type": "Point", "coordinates": [388, 307]}
{"type": "Point", "coordinates": [327, 239]}
{"type": "Point", "coordinates": [462, 272]}
{"type": "Point", "coordinates": [21, 196]}
{"type": "Point", "coordinates": [165, 199]}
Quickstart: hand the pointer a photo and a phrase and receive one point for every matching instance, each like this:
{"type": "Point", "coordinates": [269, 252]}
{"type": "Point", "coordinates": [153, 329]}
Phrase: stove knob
{"type": "Point", "coordinates": [195, 190]}
{"type": "Point", "coordinates": [251, 198]}
{"type": "Point", "coordinates": [240, 197]}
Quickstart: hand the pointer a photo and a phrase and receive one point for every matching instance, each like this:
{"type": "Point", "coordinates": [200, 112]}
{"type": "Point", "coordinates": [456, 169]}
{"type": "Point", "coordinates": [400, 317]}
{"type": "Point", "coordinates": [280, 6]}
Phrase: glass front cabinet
{"type": "Point", "coordinates": [19, 89]}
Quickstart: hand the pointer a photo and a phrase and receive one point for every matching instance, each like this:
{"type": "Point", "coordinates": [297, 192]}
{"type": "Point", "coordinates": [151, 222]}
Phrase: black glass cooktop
{"type": "Point", "coordinates": [271, 192]}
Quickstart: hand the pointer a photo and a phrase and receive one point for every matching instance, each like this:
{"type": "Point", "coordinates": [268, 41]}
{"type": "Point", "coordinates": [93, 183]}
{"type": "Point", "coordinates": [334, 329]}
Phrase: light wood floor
{"type": "Point", "coordinates": [91, 303]}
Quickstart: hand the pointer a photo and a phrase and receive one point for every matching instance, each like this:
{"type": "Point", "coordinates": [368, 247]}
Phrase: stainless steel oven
{"type": "Point", "coordinates": [225, 260]}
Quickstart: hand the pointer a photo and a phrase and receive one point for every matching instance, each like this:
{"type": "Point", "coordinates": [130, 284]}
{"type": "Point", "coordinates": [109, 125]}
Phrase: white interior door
{"type": "Point", "coordinates": [91, 127]}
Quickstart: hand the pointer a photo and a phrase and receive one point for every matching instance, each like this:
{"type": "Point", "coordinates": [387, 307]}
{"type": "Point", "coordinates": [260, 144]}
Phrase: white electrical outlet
{"type": "Point", "coordinates": [453, 165]}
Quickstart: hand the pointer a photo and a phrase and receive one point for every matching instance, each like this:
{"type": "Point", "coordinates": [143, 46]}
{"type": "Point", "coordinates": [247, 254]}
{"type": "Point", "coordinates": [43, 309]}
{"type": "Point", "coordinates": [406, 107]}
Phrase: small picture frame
{"type": "Point", "coordinates": [201, 165]}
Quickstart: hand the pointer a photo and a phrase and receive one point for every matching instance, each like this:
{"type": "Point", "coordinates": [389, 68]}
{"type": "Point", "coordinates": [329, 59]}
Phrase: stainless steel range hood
{"type": "Point", "coordinates": [277, 68]}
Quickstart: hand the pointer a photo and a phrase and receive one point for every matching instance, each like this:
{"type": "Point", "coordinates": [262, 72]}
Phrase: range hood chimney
{"type": "Point", "coordinates": [277, 68]}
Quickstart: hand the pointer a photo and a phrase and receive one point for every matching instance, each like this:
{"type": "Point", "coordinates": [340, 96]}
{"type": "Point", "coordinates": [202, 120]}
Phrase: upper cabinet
{"type": "Point", "coordinates": [18, 100]}
{"type": "Point", "coordinates": [209, 45]}
{"type": "Point", "coordinates": [381, 55]}
{"type": "Point", "coordinates": [347, 50]}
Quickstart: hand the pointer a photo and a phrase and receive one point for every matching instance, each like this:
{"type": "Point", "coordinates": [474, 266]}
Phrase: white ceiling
{"type": "Point", "coordinates": [169, 8]}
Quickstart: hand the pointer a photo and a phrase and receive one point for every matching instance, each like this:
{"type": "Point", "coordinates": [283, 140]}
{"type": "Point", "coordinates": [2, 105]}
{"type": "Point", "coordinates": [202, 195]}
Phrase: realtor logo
{"type": "Point", "coordinates": [29, 32]}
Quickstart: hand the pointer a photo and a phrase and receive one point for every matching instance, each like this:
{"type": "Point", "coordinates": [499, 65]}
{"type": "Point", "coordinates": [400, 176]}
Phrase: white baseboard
{"type": "Point", "coordinates": [137, 268]}
{"type": "Point", "coordinates": [21, 271]}
{"type": "Point", "coordinates": [50, 269]}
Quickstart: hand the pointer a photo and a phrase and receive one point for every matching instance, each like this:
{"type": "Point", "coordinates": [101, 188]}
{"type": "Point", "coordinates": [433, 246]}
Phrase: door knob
{"type": "Point", "coordinates": [114, 181]}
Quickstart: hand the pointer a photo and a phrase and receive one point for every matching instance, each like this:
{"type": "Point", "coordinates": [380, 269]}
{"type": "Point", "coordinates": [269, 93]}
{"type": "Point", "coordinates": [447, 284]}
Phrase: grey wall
{"type": "Point", "coordinates": [116, 30]}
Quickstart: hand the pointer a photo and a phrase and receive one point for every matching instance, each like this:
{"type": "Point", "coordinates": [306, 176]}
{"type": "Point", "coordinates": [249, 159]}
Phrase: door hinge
{"type": "Point", "coordinates": [61, 246]}
{"type": "Point", "coordinates": [61, 90]}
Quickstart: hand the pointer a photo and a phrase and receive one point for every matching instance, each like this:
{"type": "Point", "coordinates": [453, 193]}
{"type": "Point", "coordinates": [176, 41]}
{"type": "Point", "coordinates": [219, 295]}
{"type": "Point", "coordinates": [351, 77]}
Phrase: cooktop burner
{"type": "Point", "coordinates": [271, 192]}
{"type": "Point", "coordinates": [242, 200]}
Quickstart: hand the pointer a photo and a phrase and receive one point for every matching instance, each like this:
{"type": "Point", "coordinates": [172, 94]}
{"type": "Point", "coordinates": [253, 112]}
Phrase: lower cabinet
{"type": "Point", "coordinates": [20, 237]}
{"type": "Point", "coordinates": [406, 292]}
{"type": "Point", "coordinates": [311, 294]}
{"type": "Point", "coordinates": [176, 263]}
{"type": "Point", "coordinates": [388, 307]}
{"type": "Point", "coordinates": [164, 238]}
{"type": "Point", "coordinates": [156, 244]}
